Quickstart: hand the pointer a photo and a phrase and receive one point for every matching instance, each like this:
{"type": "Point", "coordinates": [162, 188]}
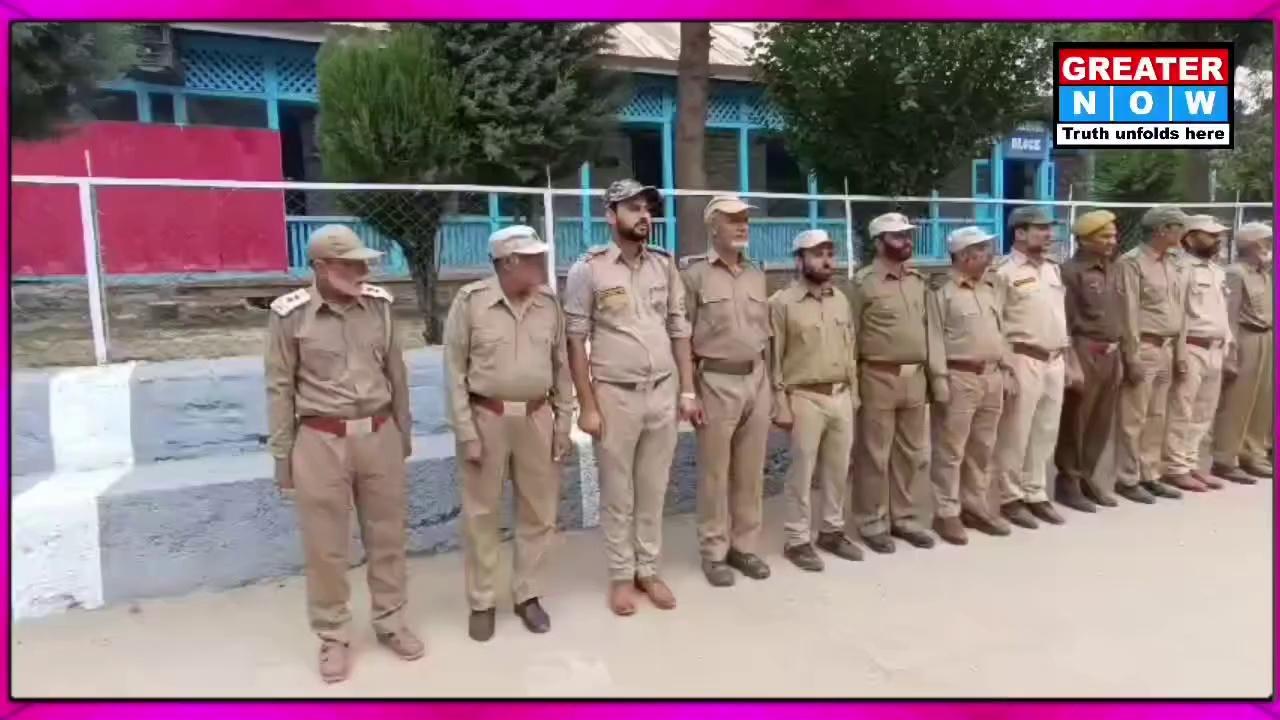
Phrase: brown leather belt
{"type": "Point", "coordinates": [885, 364]}
{"type": "Point", "coordinates": [1098, 346]}
{"type": "Point", "coordinates": [636, 385]}
{"type": "Point", "coordinates": [972, 366]}
{"type": "Point", "coordinates": [820, 388]}
{"type": "Point", "coordinates": [1157, 340]}
{"type": "Point", "coordinates": [507, 407]}
{"type": "Point", "coordinates": [727, 367]}
{"type": "Point", "coordinates": [1255, 328]}
{"type": "Point", "coordinates": [342, 427]}
{"type": "Point", "coordinates": [1035, 352]}
{"type": "Point", "coordinates": [1204, 342]}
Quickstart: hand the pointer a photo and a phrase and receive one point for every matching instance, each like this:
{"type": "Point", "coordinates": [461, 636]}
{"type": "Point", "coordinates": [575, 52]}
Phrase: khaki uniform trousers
{"type": "Point", "coordinates": [634, 458]}
{"type": "Point", "coordinates": [892, 448]}
{"type": "Point", "coordinates": [518, 446]}
{"type": "Point", "coordinates": [1243, 428]}
{"type": "Point", "coordinates": [1028, 429]}
{"type": "Point", "coordinates": [732, 445]}
{"type": "Point", "coordinates": [821, 443]}
{"type": "Point", "coordinates": [1192, 403]}
{"type": "Point", "coordinates": [330, 474]}
{"type": "Point", "coordinates": [964, 434]}
{"type": "Point", "coordinates": [1089, 414]}
{"type": "Point", "coordinates": [1143, 417]}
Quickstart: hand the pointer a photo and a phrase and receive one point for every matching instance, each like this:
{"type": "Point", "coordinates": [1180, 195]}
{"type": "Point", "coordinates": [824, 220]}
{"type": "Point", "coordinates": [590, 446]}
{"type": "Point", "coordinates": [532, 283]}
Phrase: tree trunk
{"type": "Point", "coordinates": [422, 266]}
{"type": "Point", "coordinates": [691, 133]}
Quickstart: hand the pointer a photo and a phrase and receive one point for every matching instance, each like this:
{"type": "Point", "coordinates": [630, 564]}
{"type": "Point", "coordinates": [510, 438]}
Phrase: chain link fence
{"type": "Point", "coordinates": [109, 269]}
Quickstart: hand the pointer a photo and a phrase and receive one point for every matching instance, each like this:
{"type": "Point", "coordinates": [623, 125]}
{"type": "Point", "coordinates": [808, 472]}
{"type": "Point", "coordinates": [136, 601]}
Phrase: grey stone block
{"type": "Point", "coordinates": [31, 439]}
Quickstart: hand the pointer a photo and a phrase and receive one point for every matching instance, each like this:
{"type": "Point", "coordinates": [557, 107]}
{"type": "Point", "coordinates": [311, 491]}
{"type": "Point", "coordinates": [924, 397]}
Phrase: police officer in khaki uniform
{"type": "Point", "coordinates": [1089, 411]}
{"type": "Point", "coordinates": [888, 303]}
{"type": "Point", "coordinates": [510, 405]}
{"type": "Point", "coordinates": [1242, 430]}
{"type": "Point", "coordinates": [1032, 301]}
{"type": "Point", "coordinates": [627, 299]}
{"type": "Point", "coordinates": [815, 385]}
{"type": "Point", "coordinates": [1151, 298]}
{"type": "Point", "coordinates": [1194, 396]}
{"type": "Point", "coordinates": [729, 316]}
{"type": "Point", "coordinates": [338, 417]}
{"type": "Point", "coordinates": [969, 388]}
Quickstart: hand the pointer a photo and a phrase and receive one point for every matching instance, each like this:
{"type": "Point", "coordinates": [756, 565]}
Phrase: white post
{"type": "Point", "coordinates": [1239, 220]}
{"type": "Point", "coordinates": [93, 272]}
{"type": "Point", "coordinates": [549, 236]}
{"type": "Point", "coordinates": [1071, 222]}
{"type": "Point", "coordinates": [848, 230]}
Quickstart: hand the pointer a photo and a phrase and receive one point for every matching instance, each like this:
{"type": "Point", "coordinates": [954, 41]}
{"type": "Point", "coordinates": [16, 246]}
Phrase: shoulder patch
{"type": "Point", "coordinates": [377, 293]}
{"type": "Point", "coordinates": [593, 251]}
{"type": "Point", "coordinates": [938, 280]}
{"type": "Point", "coordinates": [688, 260]}
{"type": "Point", "coordinates": [1133, 252]}
{"type": "Point", "coordinates": [660, 250]}
{"type": "Point", "coordinates": [286, 304]}
{"type": "Point", "coordinates": [862, 272]}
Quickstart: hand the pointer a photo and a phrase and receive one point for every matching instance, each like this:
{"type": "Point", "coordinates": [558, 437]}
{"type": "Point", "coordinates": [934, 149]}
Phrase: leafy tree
{"type": "Point", "coordinates": [56, 68]}
{"type": "Point", "coordinates": [1137, 176]}
{"type": "Point", "coordinates": [490, 103]}
{"type": "Point", "coordinates": [895, 107]}
{"type": "Point", "coordinates": [1249, 168]}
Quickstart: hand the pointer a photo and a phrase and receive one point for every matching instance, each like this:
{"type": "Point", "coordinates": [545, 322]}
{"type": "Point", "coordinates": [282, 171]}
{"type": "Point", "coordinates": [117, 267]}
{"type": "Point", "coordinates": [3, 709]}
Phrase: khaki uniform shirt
{"type": "Point", "coordinates": [336, 361]}
{"type": "Point", "coordinates": [1249, 298]}
{"type": "Point", "coordinates": [1152, 292]}
{"type": "Point", "coordinates": [1091, 308]}
{"type": "Point", "coordinates": [728, 312]}
{"type": "Point", "coordinates": [1032, 301]}
{"type": "Point", "coordinates": [1206, 299]}
{"type": "Point", "coordinates": [965, 313]}
{"type": "Point", "coordinates": [629, 312]}
{"type": "Point", "coordinates": [888, 309]}
{"type": "Point", "coordinates": [497, 350]}
{"type": "Point", "coordinates": [813, 338]}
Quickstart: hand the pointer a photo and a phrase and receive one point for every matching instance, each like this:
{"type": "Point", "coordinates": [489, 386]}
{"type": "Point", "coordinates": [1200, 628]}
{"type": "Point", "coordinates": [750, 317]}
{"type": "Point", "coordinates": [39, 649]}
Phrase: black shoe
{"type": "Point", "coordinates": [1234, 474]}
{"type": "Point", "coordinates": [995, 527]}
{"type": "Point", "coordinates": [1045, 511]}
{"type": "Point", "coordinates": [1259, 470]}
{"type": "Point", "coordinates": [1017, 513]}
{"type": "Point", "coordinates": [1097, 496]}
{"type": "Point", "coordinates": [839, 544]}
{"type": "Point", "coordinates": [1068, 493]}
{"type": "Point", "coordinates": [1160, 489]}
{"type": "Point", "coordinates": [718, 574]}
{"type": "Point", "coordinates": [534, 617]}
{"type": "Point", "coordinates": [915, 537]}
{"type": "Point", "coordinates": [804, 557]}
{"type": "Point", "coordinates": [881, 543]}
{"type": "Point", "coordinates": [480, 626]}
{"type": "Point", "coordinates": [1135, 493]}
{"type": "Point", "coordinates": [747, 564]}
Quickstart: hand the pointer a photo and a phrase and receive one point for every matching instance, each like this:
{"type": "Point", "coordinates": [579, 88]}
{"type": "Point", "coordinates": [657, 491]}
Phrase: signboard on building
{"type": "Point", "coordinates": [1029, 141]}
{"type": "Point", "coordinates": [1143, 95]}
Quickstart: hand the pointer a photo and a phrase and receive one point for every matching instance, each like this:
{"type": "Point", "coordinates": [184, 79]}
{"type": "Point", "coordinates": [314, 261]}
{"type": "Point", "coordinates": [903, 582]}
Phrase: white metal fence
{"type": "Point", "coordinates": [150, 230]}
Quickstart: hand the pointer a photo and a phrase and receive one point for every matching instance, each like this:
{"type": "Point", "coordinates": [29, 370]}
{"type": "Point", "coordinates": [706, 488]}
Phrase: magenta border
{"type": "Point", "coordinates": [1028, 10]}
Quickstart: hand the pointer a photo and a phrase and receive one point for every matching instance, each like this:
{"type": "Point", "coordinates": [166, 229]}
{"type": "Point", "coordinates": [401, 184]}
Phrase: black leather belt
{"type": "Point", "coordinates": [727, 367]}
{"type": "Point", "coordinates": [636, 385]}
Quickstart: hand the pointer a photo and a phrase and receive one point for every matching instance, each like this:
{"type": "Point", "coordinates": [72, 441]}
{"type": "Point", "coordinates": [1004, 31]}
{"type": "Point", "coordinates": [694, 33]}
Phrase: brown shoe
{"type": "Point", "coordinates": [913, 536]}
{"type": "Point", "coordinates": [1208, 481]}
{"type": "Point", "coordinates": [1067, 492]}
{"type": "Point", "coordinates": [659, 594]}
{"type": "Point", "coordinates": [1044, 511]}
{"type": "Point", "coordinates": [1017, 513]}
{"type": "Point", "coordinates": [335, 661]}
{"type": "Point", "coordinates": [535, 619]}
{"type": "Point", "coordinates": [995, 527]}
{"type": "Point", "coordinates": [748, 564]}
{"type": "Point", "coordinates": [405, 644]}
{"type": "Point", "coordinates": [838, 544]}
{"type": "Point", "coordinates": [881, 543]}
{"type": "Point", "coordinates": [804, 557]}
{"type": "Point", "coordinates": [1257, 469]}
{"type": "Point", "coordinates": [481, 624]}
{"type": "Point", "coordinates": [1096, 495]}
{"type": "Point", "coordinates": [1234, 474]}
{"type": "Point", "coordinates": [951, 530]}
{"type": "Point", "coordinates": [1184, 482]}
{"type": "Point", "coordinates": [622, 598]}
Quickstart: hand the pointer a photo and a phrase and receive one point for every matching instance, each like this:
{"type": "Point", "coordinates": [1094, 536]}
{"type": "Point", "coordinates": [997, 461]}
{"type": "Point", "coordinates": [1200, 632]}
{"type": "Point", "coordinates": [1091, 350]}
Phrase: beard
{"type": "Point", "coordinates": [898, 253]}
{"type": "Point", "coordinates": [636, 232]}
{"type": "Point", "coordinates": [1205, 252]}
{"type": "Point", "coordinates": [817, 274]}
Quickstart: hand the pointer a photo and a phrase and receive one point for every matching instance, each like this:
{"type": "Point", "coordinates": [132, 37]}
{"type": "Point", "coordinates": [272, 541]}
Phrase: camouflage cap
{"type": "Point", "coordinates": [1203, 223]}
{"type": "Point", "coordinates": [515, 240]}
{"type": "Point", "coordinates": [338, 242]}
{"type": "Point", "coordinates": [1030, 215]}
{"type": "Point", "coordinates": [1162, 215]}
{"type": "Point", "coordinates": [620, 190]}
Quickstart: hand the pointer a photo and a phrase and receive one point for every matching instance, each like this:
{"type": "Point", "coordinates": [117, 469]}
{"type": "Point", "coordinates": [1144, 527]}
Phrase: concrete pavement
{"type": "Point", "coordinates": [1173, 600]}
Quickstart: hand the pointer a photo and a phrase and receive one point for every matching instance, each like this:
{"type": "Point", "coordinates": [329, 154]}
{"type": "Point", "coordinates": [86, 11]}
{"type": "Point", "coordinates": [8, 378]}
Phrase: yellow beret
{"type": "Point", "coordinates": [1091, 222]}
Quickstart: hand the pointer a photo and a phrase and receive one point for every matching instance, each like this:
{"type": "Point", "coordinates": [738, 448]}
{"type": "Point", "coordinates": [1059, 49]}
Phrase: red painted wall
{"type": "Point", "coordinates": [152, 230]}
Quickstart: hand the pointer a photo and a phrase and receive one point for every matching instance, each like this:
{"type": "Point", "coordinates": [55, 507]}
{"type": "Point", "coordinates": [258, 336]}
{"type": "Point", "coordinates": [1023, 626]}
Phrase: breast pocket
{"type": "Point", "coordinates": [325, 358]}
{"type": "Point", "coordinates": [758, 310]}
{"type": "Point", "coordinates": [715, 309]}
{"type": "Point", "coordinates": [612, 304]}
{"type": "Point", "coordinates": [658, 298]}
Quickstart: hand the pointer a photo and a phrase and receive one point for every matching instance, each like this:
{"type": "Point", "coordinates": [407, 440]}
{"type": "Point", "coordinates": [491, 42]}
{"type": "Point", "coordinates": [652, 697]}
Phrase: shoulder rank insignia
{"type": "Point", "coordinates": [286, 304]}
{"type": "Point", "coordinates": [376, 292]}
{"type": "Point", "coordinates": [688, 260]}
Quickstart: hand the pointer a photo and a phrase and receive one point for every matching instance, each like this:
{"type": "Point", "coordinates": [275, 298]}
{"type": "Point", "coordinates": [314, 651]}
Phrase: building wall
{"type": "Point", "coordinates": [149, 230]}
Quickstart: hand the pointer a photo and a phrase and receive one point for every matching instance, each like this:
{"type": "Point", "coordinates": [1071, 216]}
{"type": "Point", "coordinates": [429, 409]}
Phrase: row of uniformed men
{"type": "Point", "coordinates": [703, 343]}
